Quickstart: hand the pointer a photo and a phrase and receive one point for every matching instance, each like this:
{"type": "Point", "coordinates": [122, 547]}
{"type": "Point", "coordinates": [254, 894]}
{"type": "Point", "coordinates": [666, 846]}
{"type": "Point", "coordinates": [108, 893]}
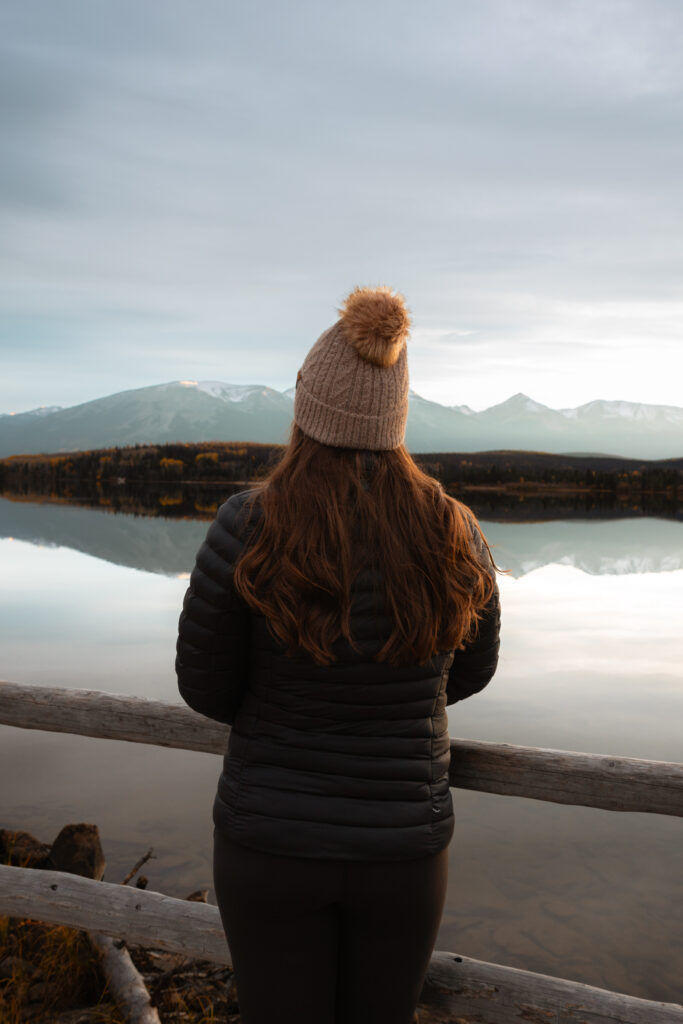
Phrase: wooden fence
{"type": "Point", "coordinates": [455, 985]}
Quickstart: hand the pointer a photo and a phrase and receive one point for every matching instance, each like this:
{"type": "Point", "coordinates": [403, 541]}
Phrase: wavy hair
{"type": "Point", "coordinates": [327, 513]}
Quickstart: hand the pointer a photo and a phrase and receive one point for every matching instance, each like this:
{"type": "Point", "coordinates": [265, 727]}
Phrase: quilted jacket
{"type": "Point", "coordinates": [346, 761]}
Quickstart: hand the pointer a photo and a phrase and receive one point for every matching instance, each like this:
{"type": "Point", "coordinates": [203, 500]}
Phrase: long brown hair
{"type": "Point", "coordinates": [327, 512]}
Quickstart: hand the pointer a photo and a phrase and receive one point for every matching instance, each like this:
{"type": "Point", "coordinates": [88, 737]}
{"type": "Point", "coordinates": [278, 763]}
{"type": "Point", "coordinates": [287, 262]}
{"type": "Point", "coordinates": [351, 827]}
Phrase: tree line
{"type": "Point", "coordinates": [229, 462]}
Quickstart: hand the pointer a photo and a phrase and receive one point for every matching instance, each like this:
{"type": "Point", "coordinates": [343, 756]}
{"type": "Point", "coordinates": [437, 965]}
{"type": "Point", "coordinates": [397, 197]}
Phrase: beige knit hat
{"type": "Point", "coordinates": [352, 389]}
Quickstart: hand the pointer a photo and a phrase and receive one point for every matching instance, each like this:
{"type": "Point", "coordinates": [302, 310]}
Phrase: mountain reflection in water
{"type": "Point", "coordinates": [169, 545]}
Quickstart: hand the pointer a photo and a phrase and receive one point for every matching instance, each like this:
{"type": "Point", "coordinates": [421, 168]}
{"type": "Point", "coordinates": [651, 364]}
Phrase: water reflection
{"type": "Point", "coordinates": [161, 545]}
{"type": "Point", "coordinates": [590, 660]}
{"type": "Point", "coordinates": [599, 547]}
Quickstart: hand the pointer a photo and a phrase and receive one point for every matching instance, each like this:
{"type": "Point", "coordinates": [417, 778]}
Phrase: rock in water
{"type": "Point", "coordinates": [22, 850]}
{"type": "Point", "coordinates": [77, 849]}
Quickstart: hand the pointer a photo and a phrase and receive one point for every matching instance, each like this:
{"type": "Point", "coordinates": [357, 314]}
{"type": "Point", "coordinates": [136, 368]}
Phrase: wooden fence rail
{"type": "Point", "coordinates": [470, 989]}
{"type": "Point", "coordinates": [567, 777]}
{"type": "Point", "coordinates": [461, 988]}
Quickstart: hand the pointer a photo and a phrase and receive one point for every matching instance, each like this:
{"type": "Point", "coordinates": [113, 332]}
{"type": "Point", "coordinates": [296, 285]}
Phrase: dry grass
{"type": "Point", "coordinates": [50, 974]}
{"type": "Point", "coordinates": [48, 969]}
{"type": "Point", "coordinates": [185, 989]}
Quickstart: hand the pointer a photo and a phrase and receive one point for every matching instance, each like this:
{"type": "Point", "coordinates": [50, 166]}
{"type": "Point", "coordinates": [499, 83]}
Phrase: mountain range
{"type": "Point", "coordinates": [217, 411]}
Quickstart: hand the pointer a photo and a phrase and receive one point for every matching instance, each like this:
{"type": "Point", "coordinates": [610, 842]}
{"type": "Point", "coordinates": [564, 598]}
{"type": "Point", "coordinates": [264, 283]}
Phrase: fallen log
{"type": "Point", "coordinates": [607, 781]}
{"type": "Point", "coordinates": [126, 985]}
{"type": "Point", "coordinates": [455, 985]}
{"type": "Point", "coordinates": [477, 991]}
{"type": "Point", "coordinates": [560, 776]}
{"type": "Point", "coordinates": [139, 916]}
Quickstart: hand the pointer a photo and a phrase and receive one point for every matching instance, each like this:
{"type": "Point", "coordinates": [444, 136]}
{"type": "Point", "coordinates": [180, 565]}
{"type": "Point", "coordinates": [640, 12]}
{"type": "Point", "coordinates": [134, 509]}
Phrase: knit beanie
{"type": "Point", "coordinates": [352, 388]}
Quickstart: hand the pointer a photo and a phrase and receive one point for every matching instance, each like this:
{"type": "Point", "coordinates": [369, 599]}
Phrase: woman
{"type": "Point", "coordinates": [335, 610]}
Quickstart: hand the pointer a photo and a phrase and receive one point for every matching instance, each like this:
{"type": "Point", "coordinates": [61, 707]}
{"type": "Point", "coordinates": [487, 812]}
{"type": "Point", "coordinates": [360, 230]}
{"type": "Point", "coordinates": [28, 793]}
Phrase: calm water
{"type": "Point", "coordinates": [591, 657]}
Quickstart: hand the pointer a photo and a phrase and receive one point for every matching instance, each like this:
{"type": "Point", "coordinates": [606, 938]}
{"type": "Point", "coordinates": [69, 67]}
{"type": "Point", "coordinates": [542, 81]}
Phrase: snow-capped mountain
{"type": "Point", "coordinates": [625, 411]}
{"type": "Point", "coordinates": [42, 410]}
{"type": "Point", "coordinates": [177, 411]}
{"type": "Point", "coordinates": [219, 411]}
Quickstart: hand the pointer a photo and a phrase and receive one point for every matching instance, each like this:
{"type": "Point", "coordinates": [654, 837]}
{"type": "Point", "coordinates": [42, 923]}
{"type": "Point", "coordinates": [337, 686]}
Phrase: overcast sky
{"type": "Point", "coordinates": [189, 189]}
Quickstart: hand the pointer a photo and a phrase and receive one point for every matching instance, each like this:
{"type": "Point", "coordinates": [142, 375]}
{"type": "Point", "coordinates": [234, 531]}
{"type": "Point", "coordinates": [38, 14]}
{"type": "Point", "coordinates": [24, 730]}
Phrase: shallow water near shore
{"type": "Point", "coordinates": [591, 657]}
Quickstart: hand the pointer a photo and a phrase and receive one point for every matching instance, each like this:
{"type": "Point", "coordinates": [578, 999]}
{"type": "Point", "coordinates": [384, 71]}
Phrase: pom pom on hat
{"type": "Point", "coordinates": [375, 322]}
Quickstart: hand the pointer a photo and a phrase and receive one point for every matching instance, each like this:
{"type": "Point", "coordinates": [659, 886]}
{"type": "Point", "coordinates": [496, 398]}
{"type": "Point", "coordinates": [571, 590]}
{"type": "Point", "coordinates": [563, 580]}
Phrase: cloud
{"type": "Point", "coordinates": [514, 168]}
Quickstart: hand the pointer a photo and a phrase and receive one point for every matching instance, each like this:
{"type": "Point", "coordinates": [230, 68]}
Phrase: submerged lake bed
{"type": "Point", "coordinates": [591, 655]}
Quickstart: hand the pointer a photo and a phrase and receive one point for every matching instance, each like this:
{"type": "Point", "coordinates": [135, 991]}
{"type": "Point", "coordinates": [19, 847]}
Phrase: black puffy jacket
{"type": "Point", "coordinates": [347, 761]}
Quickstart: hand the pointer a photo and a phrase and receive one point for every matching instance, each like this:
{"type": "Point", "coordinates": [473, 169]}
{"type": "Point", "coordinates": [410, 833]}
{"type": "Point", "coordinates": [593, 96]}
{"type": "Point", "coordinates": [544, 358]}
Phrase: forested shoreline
{"type": "Point", "coordinates": [223, 462]}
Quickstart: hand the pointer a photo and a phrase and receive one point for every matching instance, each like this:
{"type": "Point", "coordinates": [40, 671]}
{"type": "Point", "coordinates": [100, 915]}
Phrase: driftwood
{"type": "Point", "coordinates": [138, 916]}
{"type": "Point", "coordinates": [469, 990]}
{"type": "Point", "coordinates": [560, 776]}
{"type": "Point", "coordinates": [136, 867]}
{"type": "Point", "coordinates": [126, 985]}
{"type": "Point", "coordinates": [474, 991]}
{"type": "Point", "coordinates": [110, 716]}
{"type": "Point", "coordinates": [568, 777]}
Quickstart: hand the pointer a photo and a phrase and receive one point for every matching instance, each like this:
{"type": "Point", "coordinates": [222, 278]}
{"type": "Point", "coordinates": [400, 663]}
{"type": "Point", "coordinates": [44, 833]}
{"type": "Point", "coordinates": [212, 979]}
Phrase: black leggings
{"type": "Point", "coordinates": [328, 941]}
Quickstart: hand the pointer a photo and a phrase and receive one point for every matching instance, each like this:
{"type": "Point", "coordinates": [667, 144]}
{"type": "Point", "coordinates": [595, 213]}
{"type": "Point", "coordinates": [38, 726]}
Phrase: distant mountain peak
{"type": "Point", "coordinates": [41, 410]}
{"type": "Point", "coordinates": [519, 403]}
{"type": "Point", "coordinates": [222, 390]}
{"type": "Point", "coordinates": [192, 410]}
{"type": "Point", "coordinates": [643, 413]}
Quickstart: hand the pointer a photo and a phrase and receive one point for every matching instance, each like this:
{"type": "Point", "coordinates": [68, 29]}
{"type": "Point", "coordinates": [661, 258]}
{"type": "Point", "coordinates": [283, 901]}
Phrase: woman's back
{"type": "Point", "coordinates": [345, 761]}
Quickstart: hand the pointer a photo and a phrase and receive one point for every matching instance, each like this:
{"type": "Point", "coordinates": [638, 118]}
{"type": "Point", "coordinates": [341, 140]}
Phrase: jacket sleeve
{"type": "Point", "coordinates": [212, 650]}
{"type": "Point", "coordinates": [475, 665]}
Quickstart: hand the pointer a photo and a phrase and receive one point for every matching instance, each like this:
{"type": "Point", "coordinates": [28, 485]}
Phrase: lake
{"type": "Point", "coordinates": [591, 656]}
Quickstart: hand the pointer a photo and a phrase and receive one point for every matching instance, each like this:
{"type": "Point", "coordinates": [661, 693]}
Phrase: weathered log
{"type": "Point", "coordinates": [568, 777]}
{"type": "Point", "coordinates": [139, 916]}
{"type": "Point", "coordinates": [593, 780]}
{"type": "Point", "coordinates": [110, 716]}
{"type": "Point", "coordinates": [126, 985]}
{"type": "Point", "coordinates": [469, 990]}
{"type": "Point", "coordinates": [475, 991]}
